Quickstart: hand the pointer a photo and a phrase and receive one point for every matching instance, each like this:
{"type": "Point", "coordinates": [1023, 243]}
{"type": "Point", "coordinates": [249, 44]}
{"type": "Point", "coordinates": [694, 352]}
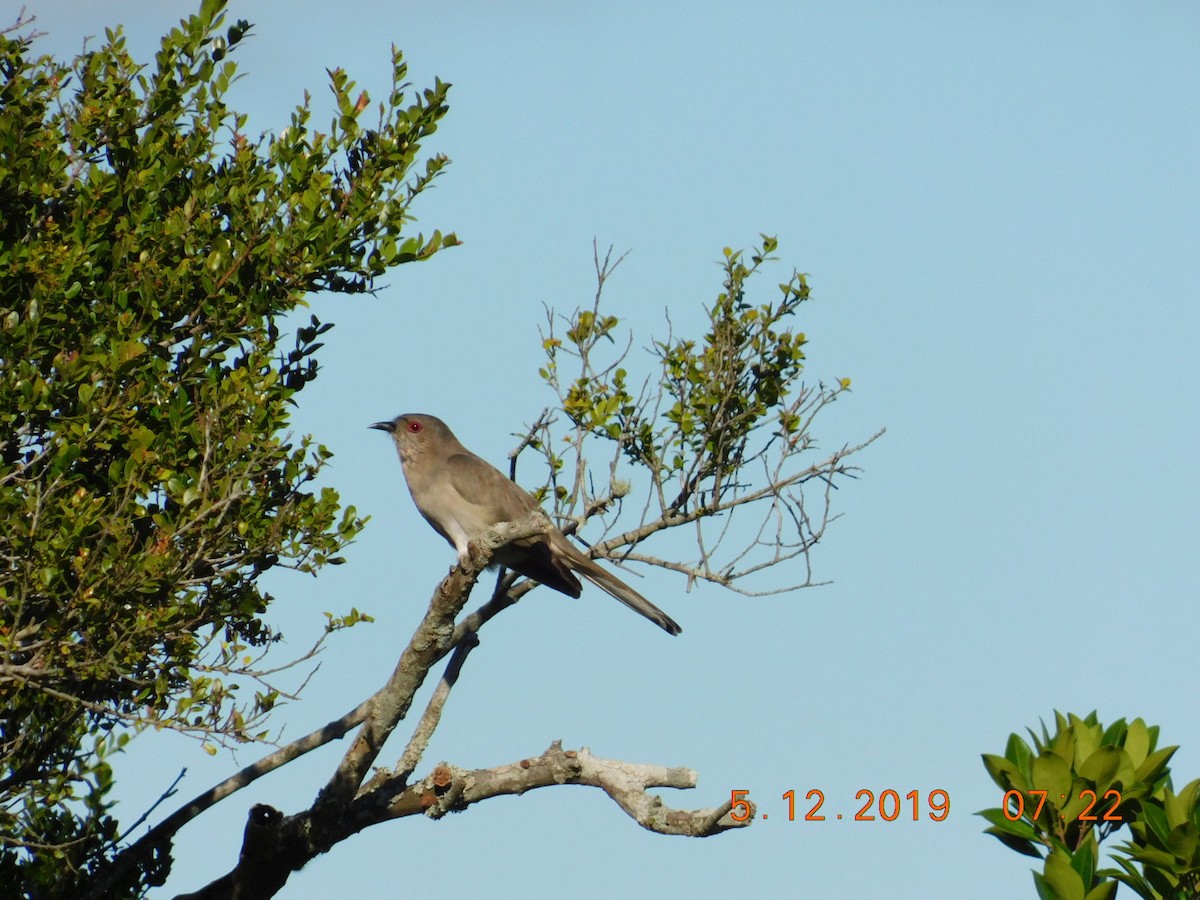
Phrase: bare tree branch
{"type": "Point", "coordinates": [825, 468]}
{"type": "Point", "coordinates": [23, 20]}
{"type": "Point", "coordinates": [275, 845]}
{"type": "Point", "coordinates": [450, 789]}
{"type": "Point", "coordinates": [160, 835]}
{"type": "Point", "coordinates": [432, 640]}
{"type": "Point", "coordinates": [431, 718]}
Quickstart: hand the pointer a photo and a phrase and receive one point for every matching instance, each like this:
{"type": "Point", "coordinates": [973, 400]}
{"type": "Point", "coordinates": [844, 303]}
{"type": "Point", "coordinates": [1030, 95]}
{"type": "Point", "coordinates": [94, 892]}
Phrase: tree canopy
{"type": "Point", "coordinates": [149, 248]}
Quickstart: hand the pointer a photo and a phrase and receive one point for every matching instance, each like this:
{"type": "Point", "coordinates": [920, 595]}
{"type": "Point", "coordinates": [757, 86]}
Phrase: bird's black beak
{"type": "Point", "coordinates": [389, 427]}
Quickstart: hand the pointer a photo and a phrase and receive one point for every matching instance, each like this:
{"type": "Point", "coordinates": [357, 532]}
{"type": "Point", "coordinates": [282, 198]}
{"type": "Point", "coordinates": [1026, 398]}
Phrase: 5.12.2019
{"type": "Point", "coordinates": [887, 808]}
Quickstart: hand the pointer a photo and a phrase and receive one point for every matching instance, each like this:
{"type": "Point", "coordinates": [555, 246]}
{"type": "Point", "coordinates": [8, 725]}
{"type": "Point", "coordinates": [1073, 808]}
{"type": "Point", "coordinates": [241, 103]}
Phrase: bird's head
{"type": "Point", "coordinates": [413, 433]}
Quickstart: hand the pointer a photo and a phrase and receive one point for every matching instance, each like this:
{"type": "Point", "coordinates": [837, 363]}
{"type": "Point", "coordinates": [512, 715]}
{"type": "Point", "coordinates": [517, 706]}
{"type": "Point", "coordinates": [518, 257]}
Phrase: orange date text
{"type": "Point", "coordinates": [888, 806]}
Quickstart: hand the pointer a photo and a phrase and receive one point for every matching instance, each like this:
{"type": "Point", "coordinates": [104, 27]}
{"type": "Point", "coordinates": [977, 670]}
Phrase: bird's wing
{"type": "Point", "coordinates": [482, 485]}
{"type": "Point", "coordinates": [492, 498]}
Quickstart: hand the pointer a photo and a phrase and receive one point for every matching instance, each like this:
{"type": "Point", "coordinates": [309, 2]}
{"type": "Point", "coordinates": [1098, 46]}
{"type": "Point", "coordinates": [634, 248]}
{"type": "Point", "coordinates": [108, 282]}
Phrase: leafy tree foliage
{"type": "Point", "coordinates": [149, 247]}
{"type": "Point", "coordinates": [715, 410]}
{"type": "Point", "coordinates": [1074, 788]}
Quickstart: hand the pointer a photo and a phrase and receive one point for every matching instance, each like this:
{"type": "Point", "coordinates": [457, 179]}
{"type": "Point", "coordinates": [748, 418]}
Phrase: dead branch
{"type": "Point", "coordinates": [450, 789]}
{"type": "Point", "coordinates": [275, 845]}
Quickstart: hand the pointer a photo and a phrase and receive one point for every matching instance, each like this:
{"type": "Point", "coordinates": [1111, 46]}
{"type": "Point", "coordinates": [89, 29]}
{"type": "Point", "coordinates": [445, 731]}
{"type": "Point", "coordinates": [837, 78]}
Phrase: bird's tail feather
{"type": "Point", "coordinates": [615, 587]}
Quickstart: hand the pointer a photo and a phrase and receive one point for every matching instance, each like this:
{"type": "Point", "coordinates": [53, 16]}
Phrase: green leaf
{"type": "Point", "coordinates": [1017, 827]}
{"type": "Point", "coordinates": [1183, 843]}
{"type": "Point", "coordinates": [1052, 774]}
{"type": "Point", "coordinates": [1021, 845]}
{"type": "Point", "coordinates": [1155, 765]}
{"type": "Point", "coordinates": [1106, 890]}
{"type": "Point", "coordinates": [1102, 766]}
{"type": "Point", "coordinates": [1156, 818]}
{"type": "Point", "coordinates": [1062, 878]}
{"type": "Point", "coordinates": [1019, 753]}
{"type": "Point", "coordinates": [1182, 807]}
{"type": "Point", "coordinates": [1137, 742]}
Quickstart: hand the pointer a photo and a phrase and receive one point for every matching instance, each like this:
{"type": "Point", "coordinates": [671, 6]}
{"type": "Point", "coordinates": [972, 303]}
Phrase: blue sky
{"type": "Point", "coordinates": [998, 208]}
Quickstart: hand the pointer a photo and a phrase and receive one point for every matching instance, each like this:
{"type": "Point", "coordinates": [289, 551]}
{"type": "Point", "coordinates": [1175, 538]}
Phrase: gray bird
{"type": "Point", "coordinates": [462, 497]}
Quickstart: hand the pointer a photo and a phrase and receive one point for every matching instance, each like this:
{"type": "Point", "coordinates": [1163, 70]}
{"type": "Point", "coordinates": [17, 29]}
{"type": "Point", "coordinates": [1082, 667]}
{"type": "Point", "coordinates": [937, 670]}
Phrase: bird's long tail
{"type": "Point", "coordinates": [613, 585]}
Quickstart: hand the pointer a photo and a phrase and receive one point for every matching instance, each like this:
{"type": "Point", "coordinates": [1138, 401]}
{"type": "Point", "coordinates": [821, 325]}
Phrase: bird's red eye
{"type": "Point", "coordinates": [414, 427]}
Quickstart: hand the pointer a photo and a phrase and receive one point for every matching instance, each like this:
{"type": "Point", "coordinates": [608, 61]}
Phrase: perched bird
{"type": "Point", "coordinates": [462, 497]}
